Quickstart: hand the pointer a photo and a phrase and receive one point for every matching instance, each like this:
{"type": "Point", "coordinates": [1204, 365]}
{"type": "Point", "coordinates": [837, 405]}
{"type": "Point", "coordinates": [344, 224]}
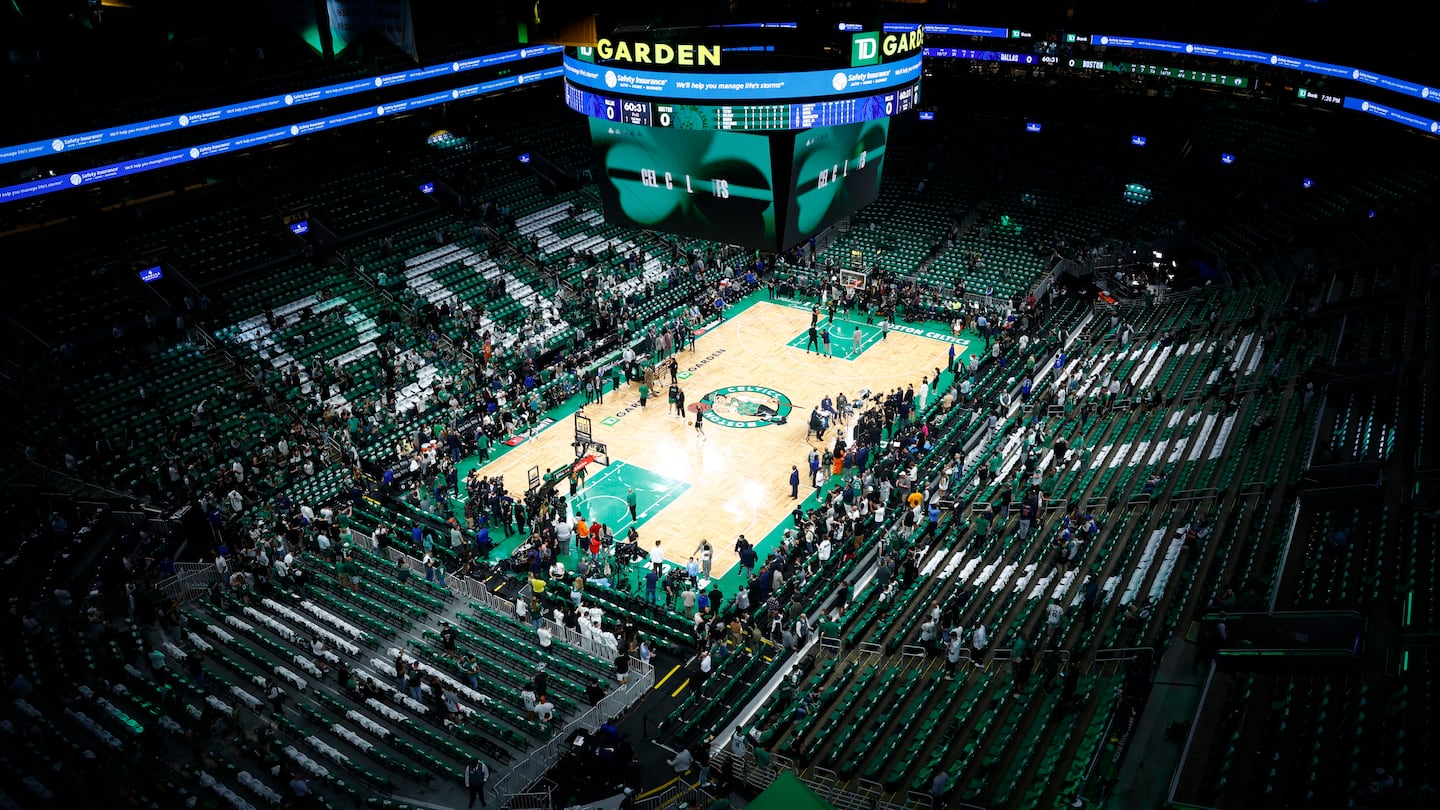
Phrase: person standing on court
{"type": "Point", "coordinates": [630, 501]}
{"type": "Point", "coordinates": [794, 482]}
{"type": "Point", "coordinates": [813, 342]}
{"type": "Point", "coordinates": [644, 393]}
{"type": "Point", "coordinates": [679, 402]}
{"type": "Point", "coordinates": [856, 341]}
{"type": "Point", "coordinates": [825, 338]}
{"type": "Point", "coordinates": [699, 424]}
{"type": "Point", "coordinates": [707, 555]}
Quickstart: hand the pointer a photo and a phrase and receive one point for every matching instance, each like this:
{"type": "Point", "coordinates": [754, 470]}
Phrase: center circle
{"type": "Point", "coordinates": [745, 406]}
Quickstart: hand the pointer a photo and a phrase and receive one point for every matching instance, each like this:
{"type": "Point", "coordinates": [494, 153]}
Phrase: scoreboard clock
{"type": "Point", "coordinates": [742, 117]}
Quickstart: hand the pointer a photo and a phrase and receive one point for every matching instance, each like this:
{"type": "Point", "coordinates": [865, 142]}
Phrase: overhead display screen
{"type": "Point", "coordinates": [835, 171]}
{"type": "Point", "coordinates": [983, 56]}
{"type": "Point", "coordinates": [1184, 74]}
{"type": "Point", "coordinates": [706, 184]}
{"type": "Point", "coordinates": [811, 84]}
{"type": "Point", "coordinates": [742, 117]}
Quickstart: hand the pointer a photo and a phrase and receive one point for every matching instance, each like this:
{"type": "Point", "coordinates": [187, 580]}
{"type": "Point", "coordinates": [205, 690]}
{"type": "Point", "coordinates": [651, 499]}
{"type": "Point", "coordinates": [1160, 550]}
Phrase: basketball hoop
{"type": "Point", "coordinates": [581, 463]}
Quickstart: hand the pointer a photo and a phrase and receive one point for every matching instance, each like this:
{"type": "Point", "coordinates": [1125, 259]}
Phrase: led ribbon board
{"type": "Point", "coordinates": [984, 31]}
{"type": "Point", "coordinates": [741, 117]}
{"type": "Point", "coordinates": [1277, 60]}
{"type": "Point", "coordinates": [812, 84]}
{"type": "Point", "coordinates": [1389, 113]}
{"type": "Point", "coordinates": [178, 156]}
{"type": "Point", "coordinates": [295, 98]}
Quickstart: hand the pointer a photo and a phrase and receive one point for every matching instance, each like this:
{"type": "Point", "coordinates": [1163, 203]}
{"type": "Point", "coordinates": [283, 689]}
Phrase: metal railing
{"type": "Point", "coordinates": [529, 770]}
{"type": "Point", "coordinates": [189, 581]}
{"type": "Point", "coordinates": [532, 800]}
{"type": "Point", "coordinates": [1119, 656]}
{"type": "Point", "coordinates": [476, 591]}
{"type": "Point", "coordinates": [691, 795]}
{"type": "Point", "coordinates": [91, 489]}
{"type": "Point", "coordinates": [1285, 554]}
{"type": "Point", "coordinates": [518, 781]}
{"type": "Point", "coordinates": [1171, 795]}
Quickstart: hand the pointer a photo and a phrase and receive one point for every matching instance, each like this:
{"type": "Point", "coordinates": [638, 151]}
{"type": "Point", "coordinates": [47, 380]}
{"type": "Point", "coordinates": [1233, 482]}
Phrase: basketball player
{"type": "Point", "coordinates": [699, 424]}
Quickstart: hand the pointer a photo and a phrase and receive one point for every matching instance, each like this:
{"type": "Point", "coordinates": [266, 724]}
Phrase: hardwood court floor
{"type": "Point", "coordinates": [737, 477]}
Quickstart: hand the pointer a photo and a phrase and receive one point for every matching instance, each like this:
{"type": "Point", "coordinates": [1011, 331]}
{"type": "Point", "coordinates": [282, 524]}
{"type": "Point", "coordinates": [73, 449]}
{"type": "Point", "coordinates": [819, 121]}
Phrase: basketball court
{"type": "Point", "coordinates": [756, 383]}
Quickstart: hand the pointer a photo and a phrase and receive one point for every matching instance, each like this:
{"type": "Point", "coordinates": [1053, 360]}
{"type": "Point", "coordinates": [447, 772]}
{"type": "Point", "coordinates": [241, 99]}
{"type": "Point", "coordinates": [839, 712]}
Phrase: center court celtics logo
{"type": "Point", "coordinates": [744, 406]}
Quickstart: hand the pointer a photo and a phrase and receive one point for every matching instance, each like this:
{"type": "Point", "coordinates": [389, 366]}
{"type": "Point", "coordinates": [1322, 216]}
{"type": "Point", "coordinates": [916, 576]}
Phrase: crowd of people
{"type": "Point", "coordinates": [870, 464]}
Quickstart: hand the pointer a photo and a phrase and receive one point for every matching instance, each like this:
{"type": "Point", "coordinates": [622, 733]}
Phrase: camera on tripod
{"type": "Point", "coordinates": [626, 553]}
{"type": "Point", "coordinates": [677, 578]}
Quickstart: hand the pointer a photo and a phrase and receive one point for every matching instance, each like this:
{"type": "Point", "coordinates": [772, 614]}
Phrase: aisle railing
{"type": "Point", "coordinates": [517, 781]}
{"type": "Point", "coordinates": [189, 581]}
{"type": "Point", "coordinates": [531, 768]}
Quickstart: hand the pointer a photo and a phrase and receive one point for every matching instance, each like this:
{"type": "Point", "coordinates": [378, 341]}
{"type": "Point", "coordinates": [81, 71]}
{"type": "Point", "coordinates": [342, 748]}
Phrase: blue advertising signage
{"type": "Point", "coordinates": [85, 140]}
{"type": "Point", "coordinates": [1278, 60]}
{"type": "Point", "coordinates": [151, 162]}
{"type": "Point", "coordinates": [967, 30]}
{"type": "Point", "coordinates": [946, 29]}
{"type": "Point", "coordinates": [740, 86]}
{"type": "Point", "coordinates": [1389, 113]}
{"type": "Point", "coordinates": [151, 274]}
{"type": "Point", "coordinates": [742, 117]}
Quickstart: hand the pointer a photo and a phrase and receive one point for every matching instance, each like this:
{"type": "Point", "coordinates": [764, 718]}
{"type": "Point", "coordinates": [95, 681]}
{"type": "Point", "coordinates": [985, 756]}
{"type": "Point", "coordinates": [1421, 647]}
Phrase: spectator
{"type": "Point", "coordinates": [682, 761]}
